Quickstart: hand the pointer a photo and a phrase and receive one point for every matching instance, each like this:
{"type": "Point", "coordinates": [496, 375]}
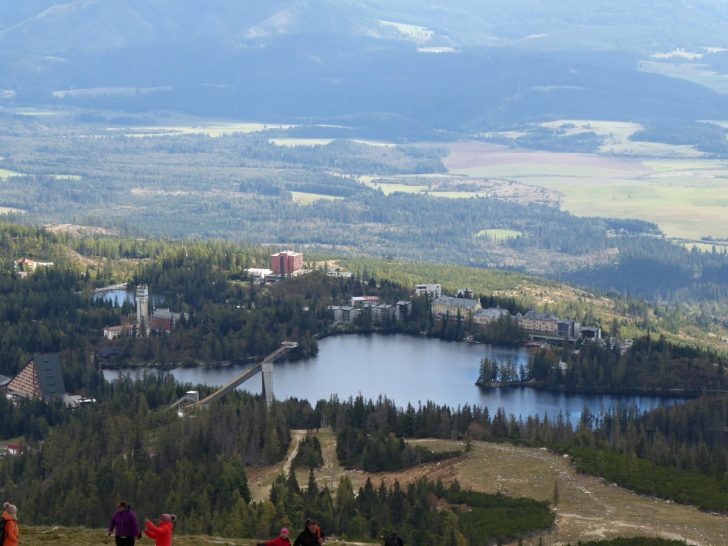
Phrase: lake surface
{"type": "Point", "coordinates": [410, 369]}
{"type": "Point", "coordinates": [119, 296]}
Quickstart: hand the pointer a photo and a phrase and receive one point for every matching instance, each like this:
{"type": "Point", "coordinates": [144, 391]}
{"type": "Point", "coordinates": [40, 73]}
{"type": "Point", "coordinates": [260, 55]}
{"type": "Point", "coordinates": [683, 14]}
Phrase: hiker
{"type": "Point", "coordinates": [311, 535]}
{"type": "Point", "coordinates": [281, 540]}
{"type": "Point", "coordinates": [10, 525]}
{"type": "Point", "coordinates": [124, 525]}
{"type": "Point", "coordinates": [161, 534]}
{"type": "Point", "coordinates": [393, 539]}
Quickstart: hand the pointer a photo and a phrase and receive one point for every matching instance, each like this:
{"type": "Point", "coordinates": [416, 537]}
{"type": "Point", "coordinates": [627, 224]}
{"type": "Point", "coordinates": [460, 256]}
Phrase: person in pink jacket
{"type": "Point", "coordinates": [280, 540]}
{"type": "Point", "coordinates": [162, 534]}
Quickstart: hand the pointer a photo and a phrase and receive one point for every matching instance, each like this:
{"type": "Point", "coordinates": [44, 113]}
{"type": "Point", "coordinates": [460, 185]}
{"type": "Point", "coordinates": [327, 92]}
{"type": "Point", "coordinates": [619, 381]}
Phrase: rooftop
{"type": "Point", "coordinates": [464, 303]}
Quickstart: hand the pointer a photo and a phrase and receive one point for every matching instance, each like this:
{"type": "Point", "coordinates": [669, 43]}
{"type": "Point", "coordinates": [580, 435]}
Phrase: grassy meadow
{"type": "Point", "coordinates": [687, 198]}
{"type": "Point", "coordinates": [304, 198]}
{"type": "Point", "coordinates": [4, 173]}
{"type": "Point", "coordinates": [63, 536]}
{"type": "Point", "coordinates": [588, 508]}
{"type": "Point", "coordinates": [499, 234]}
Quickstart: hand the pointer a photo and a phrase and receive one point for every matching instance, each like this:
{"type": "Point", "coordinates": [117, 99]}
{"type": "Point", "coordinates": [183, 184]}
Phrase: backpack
{"type": "Point", "coordinates": [392, 540]}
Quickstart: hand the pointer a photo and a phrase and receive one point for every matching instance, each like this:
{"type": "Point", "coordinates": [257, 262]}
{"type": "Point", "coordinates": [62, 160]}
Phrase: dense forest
{"type": "Point", "coordinates": [239, 186]}
{"type": "Point", "coordinates": [678, 453]}
{"type": "Point", "coordinates": [129, 446]}
{"type": "Point", "coordinates": [655, 366]}
{"type": "Point", "coordinates": [705, 136]}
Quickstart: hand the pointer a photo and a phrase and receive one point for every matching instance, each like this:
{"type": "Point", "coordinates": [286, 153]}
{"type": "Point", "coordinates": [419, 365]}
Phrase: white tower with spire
{"type": "Point", "coordinates": [142, 307]}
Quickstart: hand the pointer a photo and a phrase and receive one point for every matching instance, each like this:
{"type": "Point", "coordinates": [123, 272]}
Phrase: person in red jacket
{"type": "Point", "coordinates": [10, 516]}
{"type": "Point", "coordinates": [161, 534]}
{"type": "Point", "coordinates": [280, 540]}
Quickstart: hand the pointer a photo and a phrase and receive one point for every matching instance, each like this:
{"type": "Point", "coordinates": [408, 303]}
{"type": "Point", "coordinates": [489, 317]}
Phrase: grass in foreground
{"type": "Point", "coordinates": [79, 536]}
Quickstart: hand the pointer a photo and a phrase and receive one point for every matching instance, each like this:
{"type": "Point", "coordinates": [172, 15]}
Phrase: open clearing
{"type": "Point", "coordinates": [389, 188]}
{"type": "Point", "coordinates": [294, 142]}
{"type": "Point", "coordinates": [499, 234]}
{"type": "Point", "coordinates": [686, 198]}
{"type": "Point", "coordinates": [4, 173]}
{"type": "Point", "coordinates": [11, 210]}
{"type": "Point", "coordinates": [304, 198]}
{"type": "Point", "coordinates": [209, 129]}
{"type": "Point", "coordinates": [588, 508]}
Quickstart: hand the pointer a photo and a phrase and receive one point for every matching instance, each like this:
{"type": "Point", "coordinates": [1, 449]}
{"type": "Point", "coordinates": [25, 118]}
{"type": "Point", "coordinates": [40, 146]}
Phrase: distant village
{"type": "Point", "coordinates": [162, 320]}
{"type": "Point", "coordinates": [41, 377]}
{"type": "Point", "coordinates": [465, 308]}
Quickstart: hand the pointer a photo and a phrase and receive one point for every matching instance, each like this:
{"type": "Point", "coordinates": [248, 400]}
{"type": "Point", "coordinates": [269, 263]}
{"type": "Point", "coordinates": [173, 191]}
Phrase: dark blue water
{"type": "Point", "coordinates": [411, 369]}
{"type": "Point", "coordinates": [118, 297]}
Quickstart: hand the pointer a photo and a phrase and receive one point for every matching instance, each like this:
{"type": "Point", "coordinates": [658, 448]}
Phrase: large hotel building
{"type": "Point", "coordinates": [286, 262]}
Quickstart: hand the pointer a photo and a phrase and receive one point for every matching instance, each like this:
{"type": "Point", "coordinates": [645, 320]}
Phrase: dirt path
{"type": "Point", "coordinates": [260, 479]}
{"type": "Point", "coordinates": [588, 508]}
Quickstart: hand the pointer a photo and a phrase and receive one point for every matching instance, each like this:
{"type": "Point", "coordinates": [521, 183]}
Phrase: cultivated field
{"type": "Point", "coordinates": [211, 129]}
{"type": "Point", "coordinates": [686, 198]}
{"type": "Point", "coordinates": [304, 198]}
{"type": "Point", "coordinates": [4, 173]}
{"type": "Point", "coordinates": [588, 508]}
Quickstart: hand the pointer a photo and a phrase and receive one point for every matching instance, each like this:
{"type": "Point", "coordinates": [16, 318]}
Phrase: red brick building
{"type": "Point", "coordinates": [286, 262]}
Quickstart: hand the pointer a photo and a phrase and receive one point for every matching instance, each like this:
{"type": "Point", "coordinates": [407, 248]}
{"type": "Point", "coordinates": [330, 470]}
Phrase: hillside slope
{"type": "Point", "coordinates": [588, 508]}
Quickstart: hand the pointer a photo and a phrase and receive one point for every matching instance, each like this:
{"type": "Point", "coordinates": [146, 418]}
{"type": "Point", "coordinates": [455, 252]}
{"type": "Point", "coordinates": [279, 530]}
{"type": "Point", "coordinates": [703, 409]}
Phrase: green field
{"type": "Point", "coordinates": [389, 188]}
{"type": "Point", "coordinates": [73, 177]}
{"type": "Point", "coordinates": [293, 142]}
{"type": "Point", "coordinates": [687, 198]}
{"type": "Point", "coordinates": [303, 198]}
{"type": "Point", "coordinates": [457, 194]}
{"type": "Point", "coordinates": [4, 173]}
{"type": "Point", "coordinates": [499, 234]}
{"type": "Point", "coordinates": [208, 129]}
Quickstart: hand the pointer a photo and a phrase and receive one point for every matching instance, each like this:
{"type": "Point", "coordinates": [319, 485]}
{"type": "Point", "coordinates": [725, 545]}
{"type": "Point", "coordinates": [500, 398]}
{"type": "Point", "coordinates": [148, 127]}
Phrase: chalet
{"type": "Point", "coordinates": [10, 449]}
{"type": "Point", "coordinates": [40, 378]}
{"type": "Point", "coordinates": [453, 308]}
{"type": "Point", "coordinates": [431, 290]}
{"type": "Point", "coordinates": [26, 265]}
{"type": "Point", "coordinates": [112, 332]}
{"type": "Point", "coordinates": [486, 316]}
{"type": "Point", "coordinates": [359, 301]}
{"type": "Point", "coordinates": [539, 324]}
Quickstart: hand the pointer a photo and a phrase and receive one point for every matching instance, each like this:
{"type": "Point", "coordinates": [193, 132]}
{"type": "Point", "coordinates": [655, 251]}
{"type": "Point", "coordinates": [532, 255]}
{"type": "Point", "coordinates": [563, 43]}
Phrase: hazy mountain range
{"type": "Point", "coordinates": [454, 65]}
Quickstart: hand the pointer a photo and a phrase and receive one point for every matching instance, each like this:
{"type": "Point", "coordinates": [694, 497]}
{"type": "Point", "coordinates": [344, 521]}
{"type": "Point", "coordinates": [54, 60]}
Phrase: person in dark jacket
{"type": "Point", "coordinates": [393, 539]}
{"type": "Point", "coordinates": [311, 535]}
{"type": "Point", "coordinates": [124, 525]}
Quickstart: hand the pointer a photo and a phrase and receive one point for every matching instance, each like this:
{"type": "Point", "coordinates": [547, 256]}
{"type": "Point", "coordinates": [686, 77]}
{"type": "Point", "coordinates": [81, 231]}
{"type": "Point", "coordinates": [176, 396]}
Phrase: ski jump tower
{"type": "Point", "coordinates": [265, 367]}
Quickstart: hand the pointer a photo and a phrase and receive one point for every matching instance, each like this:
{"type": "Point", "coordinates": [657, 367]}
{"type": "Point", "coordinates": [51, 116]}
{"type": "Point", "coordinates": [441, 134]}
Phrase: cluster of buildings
{"type": "Point", "coordinates": [537, 325]}
{"type": "Point", "coordinates": [362, 306]}
{"type": "Point", "coordinates": [26, 266]}
{"type": "Point", "coordinates": [161, 320]}
{"type": "Point", "coordinates": [465, 307]}
{"type": "Point", "coordinates": [286, 263]}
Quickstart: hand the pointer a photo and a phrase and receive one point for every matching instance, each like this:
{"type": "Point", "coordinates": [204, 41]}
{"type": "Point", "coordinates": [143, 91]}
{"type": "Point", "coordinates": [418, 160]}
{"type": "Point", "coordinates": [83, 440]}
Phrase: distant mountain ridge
{"type": "Point", "coordinates": [48, 26]}
{"type": "Point", "coordinates": [411, 69]}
